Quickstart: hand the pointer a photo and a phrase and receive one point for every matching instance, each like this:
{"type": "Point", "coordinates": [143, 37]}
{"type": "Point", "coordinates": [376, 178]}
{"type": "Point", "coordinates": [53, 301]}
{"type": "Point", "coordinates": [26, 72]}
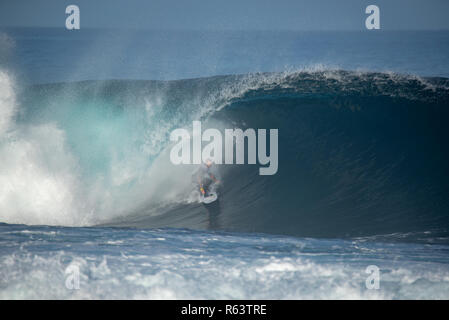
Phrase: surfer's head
{"type": "Point", "coordinates": [209, 163]}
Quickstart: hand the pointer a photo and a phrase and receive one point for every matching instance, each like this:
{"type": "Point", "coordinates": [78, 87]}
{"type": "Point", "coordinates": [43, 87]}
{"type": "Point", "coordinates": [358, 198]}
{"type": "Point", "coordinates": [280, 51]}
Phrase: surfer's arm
{"type": "Point", "coordinates": [201, 187]}
{"type": "Point", "coordinates": [200, 183]}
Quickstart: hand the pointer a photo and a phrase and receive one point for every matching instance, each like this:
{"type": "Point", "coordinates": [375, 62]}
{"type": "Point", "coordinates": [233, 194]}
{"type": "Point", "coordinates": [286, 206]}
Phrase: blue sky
{"type": "Point", "coordinates": [229, 14]}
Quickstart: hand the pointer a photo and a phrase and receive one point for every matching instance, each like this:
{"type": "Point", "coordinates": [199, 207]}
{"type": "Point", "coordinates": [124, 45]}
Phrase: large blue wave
{"type": "Point", "coordinates": [360, 154]}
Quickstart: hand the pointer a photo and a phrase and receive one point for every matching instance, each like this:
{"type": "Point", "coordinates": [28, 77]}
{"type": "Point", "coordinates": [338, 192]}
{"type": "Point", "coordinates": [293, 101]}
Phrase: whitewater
{"type": "Point", "coordinates": [87, 186]}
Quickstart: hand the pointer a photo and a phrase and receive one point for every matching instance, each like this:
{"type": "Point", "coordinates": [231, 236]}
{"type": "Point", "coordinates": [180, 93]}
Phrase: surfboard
{"type": "Point", "coordinates": [210, 198]}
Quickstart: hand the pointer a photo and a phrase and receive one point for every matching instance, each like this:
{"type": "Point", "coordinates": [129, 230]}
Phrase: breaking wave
{"type": "Point", "coordinates": [360, 154]}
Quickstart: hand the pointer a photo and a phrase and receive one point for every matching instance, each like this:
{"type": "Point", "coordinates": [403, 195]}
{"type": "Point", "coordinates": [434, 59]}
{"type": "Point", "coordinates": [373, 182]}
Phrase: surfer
{"type": "Point", "coordinates": [205, 177]}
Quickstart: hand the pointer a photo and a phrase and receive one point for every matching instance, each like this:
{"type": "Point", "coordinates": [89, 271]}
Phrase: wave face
{"type": "Point", "coordinates": [360, 154]}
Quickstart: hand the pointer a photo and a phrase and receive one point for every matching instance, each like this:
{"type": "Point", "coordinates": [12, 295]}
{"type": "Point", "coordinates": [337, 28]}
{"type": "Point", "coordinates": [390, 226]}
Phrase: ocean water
{"type": "Point", "coordinates": [88, 195]}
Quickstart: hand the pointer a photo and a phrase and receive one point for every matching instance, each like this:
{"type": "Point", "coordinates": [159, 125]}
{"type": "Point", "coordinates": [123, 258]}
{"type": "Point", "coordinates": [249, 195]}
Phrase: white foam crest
{"type": "Point", "coordinates": [7, 103]}
{"type": "Point", "coordinates": [175, 276]}
{"type": "Point", "coordinates": [38, 180]}
{"type": "Point", "coordinates": [241, 85]}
